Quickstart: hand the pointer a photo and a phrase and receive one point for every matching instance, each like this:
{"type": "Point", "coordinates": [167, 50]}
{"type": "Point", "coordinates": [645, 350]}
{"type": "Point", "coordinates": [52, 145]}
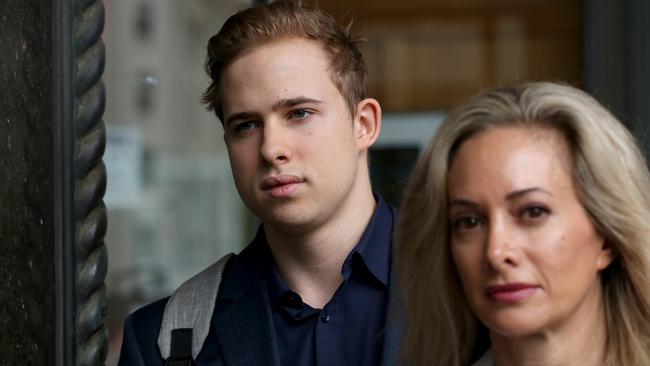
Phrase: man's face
{"type": "Point", "coordinates": [290, 136]}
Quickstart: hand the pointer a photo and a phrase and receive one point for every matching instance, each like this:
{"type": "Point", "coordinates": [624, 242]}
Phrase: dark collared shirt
{"type": "Point", "coordinates": [247, 327]}
{"type": "Point", "coordinates": [349, 329]}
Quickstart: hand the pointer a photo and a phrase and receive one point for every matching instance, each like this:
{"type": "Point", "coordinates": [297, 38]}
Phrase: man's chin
{"type": "Point", "coordinates": [289, 221]}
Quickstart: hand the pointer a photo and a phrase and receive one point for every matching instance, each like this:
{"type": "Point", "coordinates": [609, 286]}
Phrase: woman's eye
{"type": "Point", "coordinates": [466, 223]}
{"type": "Point", "coordinates": [299, 114]}
{"type": "Point", "coordinates": [534, 212]}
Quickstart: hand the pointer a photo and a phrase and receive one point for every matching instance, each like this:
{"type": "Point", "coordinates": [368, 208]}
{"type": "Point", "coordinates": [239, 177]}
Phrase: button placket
{"type": "Point", "coordinates": [325, 316]}
{"type": "Point", "coordinates": [327, 343]}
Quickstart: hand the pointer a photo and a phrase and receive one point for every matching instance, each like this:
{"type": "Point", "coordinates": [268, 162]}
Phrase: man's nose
{"type": "Point", "coordinates": [275, 148]}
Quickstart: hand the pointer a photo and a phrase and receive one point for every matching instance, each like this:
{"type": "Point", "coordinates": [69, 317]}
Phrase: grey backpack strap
{"type": "Point", "coordinates": [190, 307]}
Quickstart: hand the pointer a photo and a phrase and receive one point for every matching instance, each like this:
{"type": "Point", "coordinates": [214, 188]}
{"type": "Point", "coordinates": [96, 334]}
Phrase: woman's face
{"type": "Point", "coordinates": [526, 251]}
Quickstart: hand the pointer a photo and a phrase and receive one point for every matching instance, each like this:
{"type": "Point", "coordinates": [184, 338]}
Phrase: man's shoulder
{"type": "Point", "coordinates": [151, 315]}
{"type": "Point", "coordinates": [147, 319]}
{"type": "Point", "coordinates": [140, 342]}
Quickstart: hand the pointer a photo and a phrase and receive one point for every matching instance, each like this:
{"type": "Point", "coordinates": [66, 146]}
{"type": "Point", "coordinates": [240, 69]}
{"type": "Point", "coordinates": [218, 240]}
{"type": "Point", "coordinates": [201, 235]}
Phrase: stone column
{"type": "Point", "coordinates": [52, 219]}
{"type": "Point", "coordinates": [27, 285]}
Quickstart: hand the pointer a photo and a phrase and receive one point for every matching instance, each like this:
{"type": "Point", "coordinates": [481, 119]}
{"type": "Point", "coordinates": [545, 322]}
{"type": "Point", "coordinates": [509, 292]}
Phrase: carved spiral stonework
{"type": "Point", "coordinates": [90, 182]}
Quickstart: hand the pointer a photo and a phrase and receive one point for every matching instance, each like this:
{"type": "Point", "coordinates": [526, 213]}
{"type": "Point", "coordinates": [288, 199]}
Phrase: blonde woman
{"type": "Point", "coordinates": [529, 216]}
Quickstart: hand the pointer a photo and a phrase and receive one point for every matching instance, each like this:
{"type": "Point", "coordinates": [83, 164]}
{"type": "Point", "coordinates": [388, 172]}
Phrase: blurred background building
{"type": "Point", "coordinates": [172, 205]}
{"type": "Point", "coordinates": [171, 200]}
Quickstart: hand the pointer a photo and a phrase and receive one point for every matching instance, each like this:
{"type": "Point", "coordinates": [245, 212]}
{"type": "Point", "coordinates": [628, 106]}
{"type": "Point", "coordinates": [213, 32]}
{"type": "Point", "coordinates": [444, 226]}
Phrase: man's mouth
{"type": "Point", "coordinates": [281, 186]}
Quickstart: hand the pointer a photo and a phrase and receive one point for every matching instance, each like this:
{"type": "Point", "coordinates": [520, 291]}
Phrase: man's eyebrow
{"type": "Point", "coordinates": [292, 102]}
{"type": "Point", "coordinates": [283, 103]}
{"type": "Point", "coordinates": [240, 115]}
{"type": "Point", "coordinates": [522, 192]}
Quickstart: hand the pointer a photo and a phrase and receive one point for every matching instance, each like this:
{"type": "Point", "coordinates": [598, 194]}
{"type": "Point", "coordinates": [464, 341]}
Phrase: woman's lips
{"type": "Point", "coordinates": [281, 186]}
{"type": "Point", "coordinates": [511, 293]}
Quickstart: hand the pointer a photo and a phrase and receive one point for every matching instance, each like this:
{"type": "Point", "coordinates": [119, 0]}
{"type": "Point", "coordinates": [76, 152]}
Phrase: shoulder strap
{"type": "Point", "coordinates": [191, 307]}
{"type": "Point", "coordinates": [181, 348]}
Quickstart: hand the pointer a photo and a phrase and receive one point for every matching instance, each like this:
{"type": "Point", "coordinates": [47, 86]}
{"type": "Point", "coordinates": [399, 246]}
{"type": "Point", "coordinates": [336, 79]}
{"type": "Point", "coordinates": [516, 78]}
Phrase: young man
{"type": "Point", "coordinates": [314, 286]}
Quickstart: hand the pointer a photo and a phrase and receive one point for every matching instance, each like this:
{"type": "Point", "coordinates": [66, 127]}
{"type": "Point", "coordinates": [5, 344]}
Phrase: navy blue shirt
{"type": "Point", "coordinates": [348, 330]}
{"type": "Point", "coordinates": [257, 320]}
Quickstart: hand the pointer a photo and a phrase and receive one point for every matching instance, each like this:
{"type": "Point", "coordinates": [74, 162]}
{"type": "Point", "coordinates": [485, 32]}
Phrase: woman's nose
{"type": "Point", "coordinates": [500, 249]}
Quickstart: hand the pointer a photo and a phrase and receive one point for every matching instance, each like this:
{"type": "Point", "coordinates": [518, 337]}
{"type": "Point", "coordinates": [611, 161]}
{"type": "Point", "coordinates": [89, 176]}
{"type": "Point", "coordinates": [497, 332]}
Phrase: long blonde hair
{"type": "Point", "coordinates": [613, 183]}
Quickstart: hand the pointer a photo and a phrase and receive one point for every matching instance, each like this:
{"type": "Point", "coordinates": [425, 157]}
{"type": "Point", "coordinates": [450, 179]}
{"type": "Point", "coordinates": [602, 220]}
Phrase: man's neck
{"type": "Point", "coordinates": [310, 263]}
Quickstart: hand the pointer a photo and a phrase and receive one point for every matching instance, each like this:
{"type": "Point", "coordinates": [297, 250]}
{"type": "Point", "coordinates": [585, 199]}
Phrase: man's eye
{"type": "Point", "coordinates": [244, 126]}
{"type": "Point", "coordinates": [299, 114]}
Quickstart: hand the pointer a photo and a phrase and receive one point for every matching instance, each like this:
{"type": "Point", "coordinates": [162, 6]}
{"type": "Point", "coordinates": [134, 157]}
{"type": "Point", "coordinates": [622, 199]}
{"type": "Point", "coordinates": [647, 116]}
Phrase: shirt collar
{"type": "Point", "coordinates": [277, 287]}
{"type": "Point", "coordinates": [246, 269]}
{"type": "Point", "coordinates": [374, 247]}
{"type": "Point", "coordinates": [373, 250]}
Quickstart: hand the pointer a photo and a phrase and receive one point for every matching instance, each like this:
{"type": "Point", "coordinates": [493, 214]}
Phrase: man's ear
{"type": "Point", "coordinates": [367, 123]}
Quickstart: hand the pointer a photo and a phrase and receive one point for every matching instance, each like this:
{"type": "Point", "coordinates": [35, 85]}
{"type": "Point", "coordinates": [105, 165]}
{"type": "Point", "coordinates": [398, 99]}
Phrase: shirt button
{"type": "Point", "coordinates": [325, 317]}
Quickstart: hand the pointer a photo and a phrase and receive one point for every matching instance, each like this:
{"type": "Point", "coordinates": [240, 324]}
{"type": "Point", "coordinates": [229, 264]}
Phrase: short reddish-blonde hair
{"type": "Point", "coordinates": [266, 23]}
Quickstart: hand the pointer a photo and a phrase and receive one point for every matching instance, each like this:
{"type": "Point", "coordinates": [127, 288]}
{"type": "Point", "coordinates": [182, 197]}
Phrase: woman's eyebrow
{"type": "Point", "coordinates": [464, 202]}
{"type": "Point", "coordinates": [525, 191]}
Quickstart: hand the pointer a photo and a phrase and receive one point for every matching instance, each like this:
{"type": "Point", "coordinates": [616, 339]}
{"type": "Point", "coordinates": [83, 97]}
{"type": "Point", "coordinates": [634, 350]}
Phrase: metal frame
{"type": "Point", "coordinates": [80, 182]}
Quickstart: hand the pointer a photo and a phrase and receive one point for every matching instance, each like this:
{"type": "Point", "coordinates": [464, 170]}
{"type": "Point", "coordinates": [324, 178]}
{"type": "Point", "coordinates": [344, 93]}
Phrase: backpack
{"type": "Point", "coordinates": [188, 313]}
